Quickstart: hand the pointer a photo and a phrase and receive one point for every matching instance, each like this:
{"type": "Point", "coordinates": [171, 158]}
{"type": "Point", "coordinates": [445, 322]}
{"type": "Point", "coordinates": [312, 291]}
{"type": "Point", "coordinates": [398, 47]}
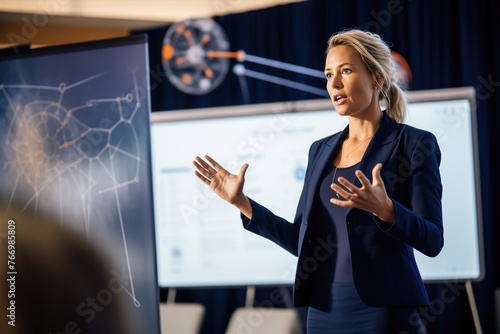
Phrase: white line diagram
{"type": "Point", "coordinates": [76, 161]}
{"type": "Point", "coordinates": [195, 55]}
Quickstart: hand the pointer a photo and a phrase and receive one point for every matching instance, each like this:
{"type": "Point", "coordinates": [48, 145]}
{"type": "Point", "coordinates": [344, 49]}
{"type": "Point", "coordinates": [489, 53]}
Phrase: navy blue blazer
{"type": "Point", "coordinates": [383, 265]}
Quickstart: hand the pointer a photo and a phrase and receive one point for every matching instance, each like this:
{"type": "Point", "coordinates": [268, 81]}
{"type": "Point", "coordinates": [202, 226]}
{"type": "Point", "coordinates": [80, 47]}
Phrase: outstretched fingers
{"type": "Point", "coordinates": [202, 177]}
{"type": "Point", "coordinates": [214, 163]}
{"type": "Point", "coordinates": [206, 166]}
{"type": "Point", "coordinates": [204, 171]}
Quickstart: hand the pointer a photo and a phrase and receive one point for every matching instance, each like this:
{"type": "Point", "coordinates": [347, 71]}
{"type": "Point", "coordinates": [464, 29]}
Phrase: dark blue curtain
{"type": "Point", "coordinates": [446, 43]}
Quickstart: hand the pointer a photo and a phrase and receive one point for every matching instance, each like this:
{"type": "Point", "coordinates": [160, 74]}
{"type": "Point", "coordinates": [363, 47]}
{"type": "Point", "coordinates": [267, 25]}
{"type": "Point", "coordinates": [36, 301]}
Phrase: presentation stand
{"type": "Point", "coordinates": [172, 292]}
{"type": "Point", "coordinates": [250, 297]}
{"type": "Point", "coordinates": [473, 307]}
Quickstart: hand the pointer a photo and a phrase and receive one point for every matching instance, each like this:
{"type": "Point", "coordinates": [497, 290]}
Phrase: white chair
{"type": "Point", "coordinates": [249, 320]}
{"type": "Point", "coordinates": [181, 318]}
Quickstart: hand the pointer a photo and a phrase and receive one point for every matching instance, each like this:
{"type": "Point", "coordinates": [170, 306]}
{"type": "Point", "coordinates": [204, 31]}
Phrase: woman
{"type": "Point", "coordinates": [354, 236]}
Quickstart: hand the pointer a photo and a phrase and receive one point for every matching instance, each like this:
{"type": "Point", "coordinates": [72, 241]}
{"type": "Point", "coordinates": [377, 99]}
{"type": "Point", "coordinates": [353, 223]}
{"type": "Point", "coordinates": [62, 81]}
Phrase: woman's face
{"type": "Point", "coordinates": [350, 86]}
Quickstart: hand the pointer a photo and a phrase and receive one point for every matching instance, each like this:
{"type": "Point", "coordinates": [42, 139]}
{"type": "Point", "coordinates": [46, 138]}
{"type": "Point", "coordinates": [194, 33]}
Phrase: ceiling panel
{"type": "Point", "coordinates": [135, 10]}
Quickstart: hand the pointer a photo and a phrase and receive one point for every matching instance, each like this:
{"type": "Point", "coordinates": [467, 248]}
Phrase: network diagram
{"type": "Point", "coordinates": [73, 153]}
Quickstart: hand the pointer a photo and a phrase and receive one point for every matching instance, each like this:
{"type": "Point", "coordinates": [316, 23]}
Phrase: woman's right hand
{"type": "Point", "coordinates": [226, 185]}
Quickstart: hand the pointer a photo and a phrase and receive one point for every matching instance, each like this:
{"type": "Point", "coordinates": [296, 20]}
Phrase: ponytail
{"type": "Point", "coordinates": [396, 102]}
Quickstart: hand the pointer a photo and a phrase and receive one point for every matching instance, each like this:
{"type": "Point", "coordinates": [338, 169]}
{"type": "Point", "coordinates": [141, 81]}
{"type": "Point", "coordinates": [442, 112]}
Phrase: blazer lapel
{"type": "Point", "coordinates": [380, 148]}
{"type": "Point", "coordinates": [325, 157]}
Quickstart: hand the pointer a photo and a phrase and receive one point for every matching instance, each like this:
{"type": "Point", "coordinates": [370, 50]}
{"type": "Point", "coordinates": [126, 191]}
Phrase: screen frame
{"type": "Point", "coordinates": [22, 51]}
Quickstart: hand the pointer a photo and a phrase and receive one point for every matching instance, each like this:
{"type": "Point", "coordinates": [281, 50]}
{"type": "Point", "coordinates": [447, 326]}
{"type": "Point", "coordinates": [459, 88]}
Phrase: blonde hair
{"type": "Point", "coordinates": [376, 56]}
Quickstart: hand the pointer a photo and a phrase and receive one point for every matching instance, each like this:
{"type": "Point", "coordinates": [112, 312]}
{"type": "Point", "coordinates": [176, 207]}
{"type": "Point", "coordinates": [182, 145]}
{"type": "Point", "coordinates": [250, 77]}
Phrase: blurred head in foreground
{"type": "Point", "coordinates": [56, 281]}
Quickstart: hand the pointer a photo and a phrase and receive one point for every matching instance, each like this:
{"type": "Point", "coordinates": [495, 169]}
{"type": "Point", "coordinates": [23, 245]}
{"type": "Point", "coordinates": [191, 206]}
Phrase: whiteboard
{"type": "Point", "coordinates": [199, 237]}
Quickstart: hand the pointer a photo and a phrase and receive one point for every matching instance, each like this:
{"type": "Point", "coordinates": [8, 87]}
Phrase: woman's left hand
{"type": "Point", "coordinates": [371, 197]}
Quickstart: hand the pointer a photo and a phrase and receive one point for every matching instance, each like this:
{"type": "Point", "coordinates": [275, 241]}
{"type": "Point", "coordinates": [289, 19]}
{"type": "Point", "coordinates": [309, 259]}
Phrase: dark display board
{"type": "Point", "coordinates": [75, 142]}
